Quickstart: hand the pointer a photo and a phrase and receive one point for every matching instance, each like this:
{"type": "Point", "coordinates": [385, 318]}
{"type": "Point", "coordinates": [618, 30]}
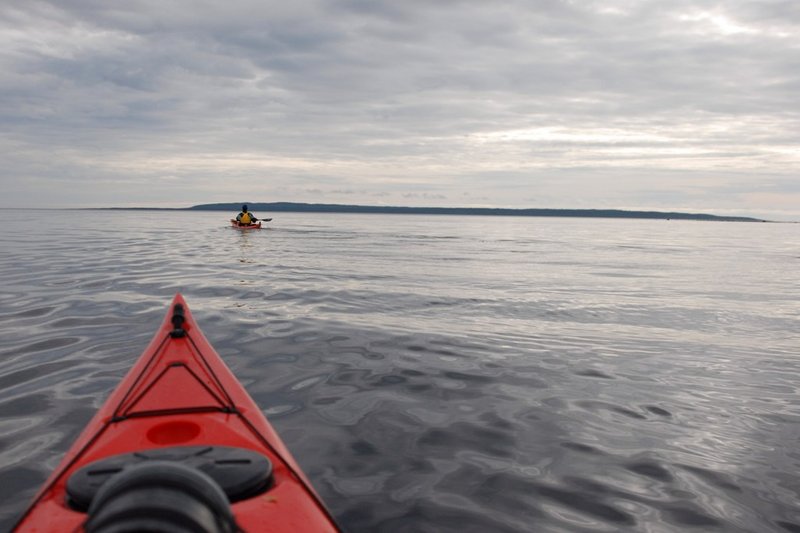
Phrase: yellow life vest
{"type": "Point", "coordinates": [245, 218]}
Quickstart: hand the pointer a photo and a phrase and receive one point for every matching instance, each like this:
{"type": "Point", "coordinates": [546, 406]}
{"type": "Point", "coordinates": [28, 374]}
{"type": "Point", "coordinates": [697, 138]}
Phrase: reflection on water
{"type": "Point", "coordinates": [441, 373]}
{"type": "Point", "coordinates": [246, 246]}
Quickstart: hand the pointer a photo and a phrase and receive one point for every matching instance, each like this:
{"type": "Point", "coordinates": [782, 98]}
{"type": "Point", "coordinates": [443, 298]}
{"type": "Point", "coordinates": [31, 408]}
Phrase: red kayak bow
{"type": "Point", "coordinates": [179, 441]}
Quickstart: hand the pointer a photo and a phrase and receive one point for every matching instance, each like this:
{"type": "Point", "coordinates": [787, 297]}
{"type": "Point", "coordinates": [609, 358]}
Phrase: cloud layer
{"type": "Point", "coordinates": [532, 103]}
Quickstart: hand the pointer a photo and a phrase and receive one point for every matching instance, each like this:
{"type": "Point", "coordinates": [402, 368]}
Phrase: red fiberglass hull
{"type": "Point", "coordinates": [181, 393]}
{"type": "Point", "coordinates": [235, 224]}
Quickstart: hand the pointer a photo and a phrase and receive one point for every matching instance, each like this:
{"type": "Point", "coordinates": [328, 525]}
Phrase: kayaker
{"type": "Point", "coordinates": [245, 218]}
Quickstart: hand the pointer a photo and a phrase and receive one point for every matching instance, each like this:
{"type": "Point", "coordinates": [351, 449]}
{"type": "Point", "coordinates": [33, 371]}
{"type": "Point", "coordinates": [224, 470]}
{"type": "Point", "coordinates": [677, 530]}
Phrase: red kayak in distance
{"type": "Point", "coordinates": [236, 224]}
{"type": "Point", "coordinates": [179, 445]}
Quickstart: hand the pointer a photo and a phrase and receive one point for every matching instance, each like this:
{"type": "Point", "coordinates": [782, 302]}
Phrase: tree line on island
{"type": "Point", "coordinates": [484, 211]}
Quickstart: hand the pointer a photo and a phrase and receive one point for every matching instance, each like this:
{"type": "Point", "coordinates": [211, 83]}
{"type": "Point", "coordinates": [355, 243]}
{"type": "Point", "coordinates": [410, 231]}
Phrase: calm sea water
{"type": "Point", "coordinates": [437, 374]}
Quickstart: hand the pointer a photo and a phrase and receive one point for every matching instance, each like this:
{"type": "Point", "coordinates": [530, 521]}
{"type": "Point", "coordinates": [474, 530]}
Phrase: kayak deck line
{"type": "Point", "coordinates": [121, 412]}
{"type": "Point", "coordinates": [180, 393]}
{"type": "Point", "coordinates": [169, 412]}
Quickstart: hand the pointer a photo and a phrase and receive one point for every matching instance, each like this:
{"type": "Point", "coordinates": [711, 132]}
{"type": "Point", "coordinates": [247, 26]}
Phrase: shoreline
{"type": "Point", "coordinates": [293, 207]}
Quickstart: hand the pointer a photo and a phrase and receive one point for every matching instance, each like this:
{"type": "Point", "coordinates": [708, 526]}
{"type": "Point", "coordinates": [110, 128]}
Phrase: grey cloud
{"type": "Point", "coordinates": [354, 94]}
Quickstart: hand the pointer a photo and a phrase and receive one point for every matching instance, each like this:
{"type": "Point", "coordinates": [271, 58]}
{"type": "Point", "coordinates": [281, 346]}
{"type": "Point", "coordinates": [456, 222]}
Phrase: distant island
{"type": "Point", "coordinates": [484, 211]}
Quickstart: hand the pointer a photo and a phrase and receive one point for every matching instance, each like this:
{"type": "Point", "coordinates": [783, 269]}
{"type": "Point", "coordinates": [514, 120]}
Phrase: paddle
{"type": "Point", "coordinates": [254, 222]}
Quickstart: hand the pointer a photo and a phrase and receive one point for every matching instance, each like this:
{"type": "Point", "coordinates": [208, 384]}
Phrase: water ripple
{"type": "Point", "coordinates": [436, 374]}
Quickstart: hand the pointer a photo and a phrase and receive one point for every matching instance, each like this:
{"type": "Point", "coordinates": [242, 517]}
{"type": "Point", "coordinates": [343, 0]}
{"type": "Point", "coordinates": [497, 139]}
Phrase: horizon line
{"type": "Point", "coordinates": [488, 211]}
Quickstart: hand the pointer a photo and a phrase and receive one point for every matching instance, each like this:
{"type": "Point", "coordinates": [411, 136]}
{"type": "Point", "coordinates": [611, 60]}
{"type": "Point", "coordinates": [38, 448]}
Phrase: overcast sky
{"type": "Point", "coordinates": [630, 104]}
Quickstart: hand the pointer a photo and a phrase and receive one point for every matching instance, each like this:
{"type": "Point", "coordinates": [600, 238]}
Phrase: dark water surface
{"type": "Point", "coordinates": [438, 374]}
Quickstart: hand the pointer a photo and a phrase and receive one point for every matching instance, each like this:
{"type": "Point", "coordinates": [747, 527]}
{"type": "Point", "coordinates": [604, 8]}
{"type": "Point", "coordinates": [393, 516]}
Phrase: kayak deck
{"type": "Point", "coordinates": [181, 394]}
{"type": "Point", "coordinates": [236, 224]}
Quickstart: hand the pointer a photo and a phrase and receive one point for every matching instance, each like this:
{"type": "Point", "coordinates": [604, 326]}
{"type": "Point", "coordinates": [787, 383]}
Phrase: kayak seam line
{"type": "Point", "coordinates": [300, 479]}
{"type": "Point", "coordinates": [79, 454]}
{"type": "Point", "coordinates": [55, 477]}
{"type": "Point", "coordinates": [258, 434]}
{"type": "Point", "coordinates": [262, 438]}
